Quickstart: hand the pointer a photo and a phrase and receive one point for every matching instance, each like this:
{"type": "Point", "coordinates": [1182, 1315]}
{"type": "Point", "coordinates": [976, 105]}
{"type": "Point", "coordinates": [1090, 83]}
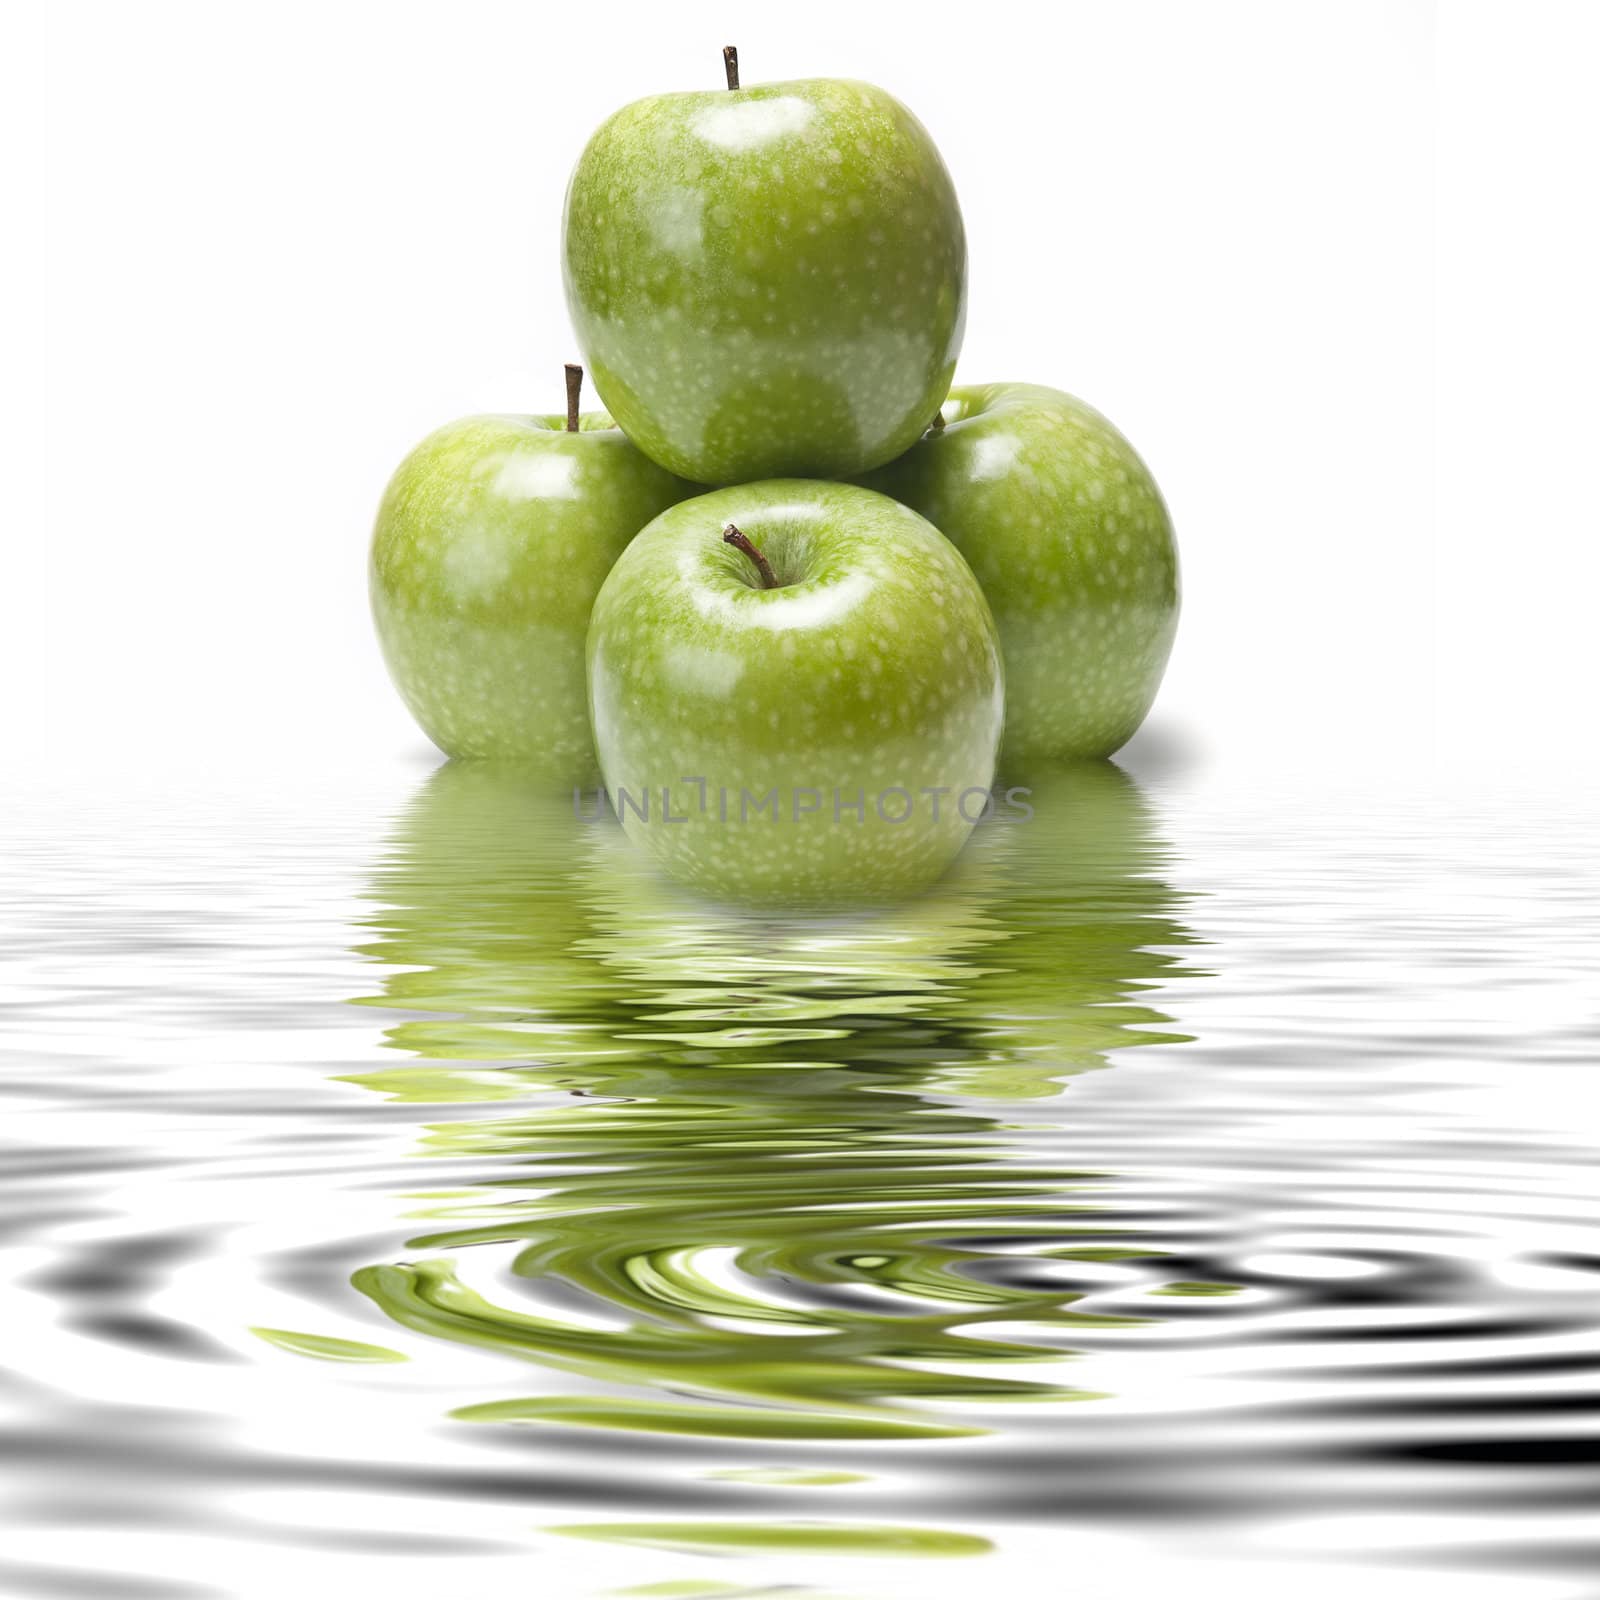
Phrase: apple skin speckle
{"type": "Point", "coordinates": [767, 283]}
{"type": "Point", "coordinates": [491, 542]}
{"type": "Point", "coordinates": [1072, 543]}
{"type": "Point", "coordinates": [873, 668]}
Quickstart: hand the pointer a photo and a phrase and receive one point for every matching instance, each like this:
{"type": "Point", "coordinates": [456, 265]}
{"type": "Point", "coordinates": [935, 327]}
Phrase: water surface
{"type": "Point", "coordinates": [426, 1195]}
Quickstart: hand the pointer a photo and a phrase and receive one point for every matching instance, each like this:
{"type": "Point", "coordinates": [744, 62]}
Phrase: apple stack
{"type": "Point", "coordinates": [783, 597]}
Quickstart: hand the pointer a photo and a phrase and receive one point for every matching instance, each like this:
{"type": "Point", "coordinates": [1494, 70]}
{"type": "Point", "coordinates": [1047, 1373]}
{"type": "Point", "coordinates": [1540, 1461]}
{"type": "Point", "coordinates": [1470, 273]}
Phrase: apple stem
{"type": "Point", "coordinates": [937, 425]}
{"type": "Point", "coordinates": [574, 388]}
{"type": "Point", "coordinates": [731, 535]}
{"type": "Point", "coordinates": [730, 62]}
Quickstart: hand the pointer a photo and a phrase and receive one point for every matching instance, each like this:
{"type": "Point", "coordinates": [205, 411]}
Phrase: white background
{"type": "Point", "coordinates": [1306, 255]}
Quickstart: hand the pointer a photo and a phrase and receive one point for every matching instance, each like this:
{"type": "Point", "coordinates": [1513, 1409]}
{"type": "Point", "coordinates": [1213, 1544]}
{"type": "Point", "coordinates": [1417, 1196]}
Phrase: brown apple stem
{"type": "Point", "coordinates": [937, 425]}
{"type": "Point", "coordinates": [731, 535]}
{"type": "Point", "coordinates": [574, 388]}
{"type": "Point", "coordinates": [730, 61]}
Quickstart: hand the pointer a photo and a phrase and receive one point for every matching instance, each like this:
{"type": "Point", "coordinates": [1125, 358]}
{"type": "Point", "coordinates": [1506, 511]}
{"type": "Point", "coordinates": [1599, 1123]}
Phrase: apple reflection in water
{"type": "Point", "coordinates": [817, 1101]}
{"type": "Point", "coordinates": [1091, 924]}
{"type": "Point", "coordinates": [534, 939]}
{"type": "Point", "coordinates": [480, 926]}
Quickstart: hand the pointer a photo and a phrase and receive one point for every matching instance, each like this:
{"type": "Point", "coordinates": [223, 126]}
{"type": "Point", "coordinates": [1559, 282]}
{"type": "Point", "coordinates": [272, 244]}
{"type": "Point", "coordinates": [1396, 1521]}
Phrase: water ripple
{"type": "Point", "coordinates": [643, 1236]}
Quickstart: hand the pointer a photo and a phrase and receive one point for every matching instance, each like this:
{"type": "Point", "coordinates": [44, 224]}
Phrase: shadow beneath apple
{"type": "Point", "coordinates": [1162, 752]}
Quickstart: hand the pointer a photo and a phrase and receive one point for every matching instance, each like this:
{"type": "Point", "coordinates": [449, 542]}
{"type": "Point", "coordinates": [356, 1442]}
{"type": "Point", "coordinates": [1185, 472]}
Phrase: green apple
{"type": "Point", "coordinates": [826, 739]}
{"type": "Point", "coordinates": [767, 282]}
{"type": "Point", "coordinates": [1071, 540]}
{"type": "Point", "coordinates": [491, 543]}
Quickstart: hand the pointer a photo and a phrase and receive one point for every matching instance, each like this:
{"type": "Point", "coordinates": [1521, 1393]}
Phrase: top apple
{"type": "Point", "coordinates": [767, 282]}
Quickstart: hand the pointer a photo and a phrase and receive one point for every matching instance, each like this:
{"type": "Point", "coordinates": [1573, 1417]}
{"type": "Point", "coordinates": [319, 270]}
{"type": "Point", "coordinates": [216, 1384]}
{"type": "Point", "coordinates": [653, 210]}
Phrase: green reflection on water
{"type": "Point", "coordinates": [774, 1154]}
{"type": "Point", "coordinates": [322, 1348]}
{"type": "Point", "coordinates": [715, 1422]}
{"type": "Point", "coordinates": [851, 1538]}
